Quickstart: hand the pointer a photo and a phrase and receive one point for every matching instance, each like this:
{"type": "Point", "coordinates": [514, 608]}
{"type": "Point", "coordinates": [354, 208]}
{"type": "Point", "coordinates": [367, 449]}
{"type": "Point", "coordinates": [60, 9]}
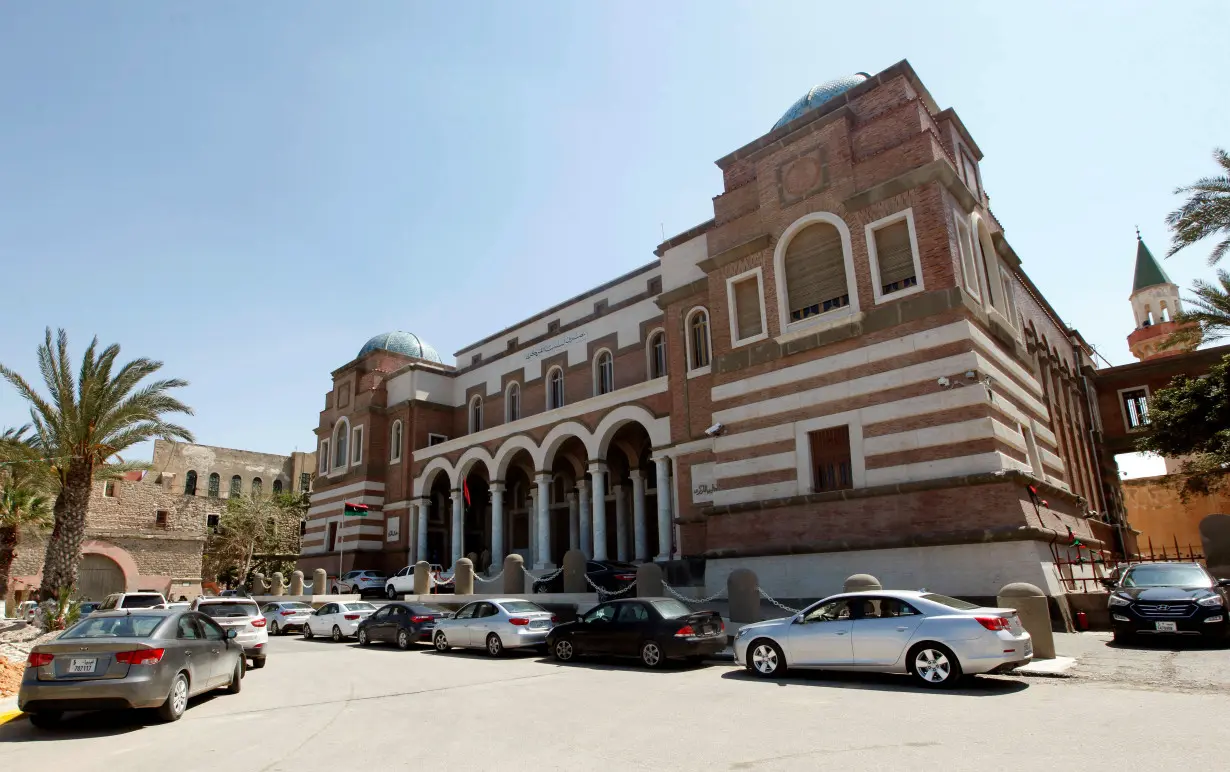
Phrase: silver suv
{"type": "Point", "coordinates": [123, 600]}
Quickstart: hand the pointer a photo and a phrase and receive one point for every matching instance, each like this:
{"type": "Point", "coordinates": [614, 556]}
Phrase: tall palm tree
{"type": "Point", "coordinates": [1206, 316]}
{"type": "Point", "coordinates": [1205, 212]}
{"type": "Point", "coordinates": [22, 507]}
{"type": "Point", "coordinates": [81, 425]}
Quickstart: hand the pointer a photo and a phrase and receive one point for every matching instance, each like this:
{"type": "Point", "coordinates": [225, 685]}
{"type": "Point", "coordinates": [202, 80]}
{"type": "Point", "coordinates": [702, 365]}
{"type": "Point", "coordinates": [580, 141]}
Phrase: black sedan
{"type": "Point", "coordinates": [610, 575]}
{"type": "Point", "coordinates": [653, 629]}
{"type": "Point", "coordinates": [1169, 599]}
{"type": "Point", "coordinates": [401, 623]}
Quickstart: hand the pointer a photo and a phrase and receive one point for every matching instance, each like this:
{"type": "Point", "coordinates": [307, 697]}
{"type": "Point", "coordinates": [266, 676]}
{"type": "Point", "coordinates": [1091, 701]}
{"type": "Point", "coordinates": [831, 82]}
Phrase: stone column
{"type": "Point", "coordinates": [584, 519]}
{"type": "Point", "coordinates": [459, 514]}
{"type": "Point", "coordinates": [597, 472]}
{"type": "Point", "coordinates": [641, 537]}
{"type": "Point", "coordinates": [574, 525]}
{"type": "Point", "coordinates": [421, 547]}
{"type": "Point", "coordinates": [497, 523]}
{"type": "Point", "coordinates": [531, 527]}
{"type": "Point", "coordinates": [621, 521]}
{"type": "Point", "coordinates": [664, 506]}
{"type": "Point", "coordinates": [542, 557]}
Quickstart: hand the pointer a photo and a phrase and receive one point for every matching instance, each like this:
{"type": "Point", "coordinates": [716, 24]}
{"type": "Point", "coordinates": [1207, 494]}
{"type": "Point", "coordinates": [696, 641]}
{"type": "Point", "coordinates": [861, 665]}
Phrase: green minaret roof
{"type": "Point", "coordinates": [1149, 271]}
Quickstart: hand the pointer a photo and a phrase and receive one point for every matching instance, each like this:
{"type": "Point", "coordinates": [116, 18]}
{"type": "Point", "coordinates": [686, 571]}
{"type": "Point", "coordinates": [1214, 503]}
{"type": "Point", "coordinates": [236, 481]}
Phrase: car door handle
{"type": "Point", "coordinates": [902, 629]}
{"type": "Point", "coordinates": [841, 632]}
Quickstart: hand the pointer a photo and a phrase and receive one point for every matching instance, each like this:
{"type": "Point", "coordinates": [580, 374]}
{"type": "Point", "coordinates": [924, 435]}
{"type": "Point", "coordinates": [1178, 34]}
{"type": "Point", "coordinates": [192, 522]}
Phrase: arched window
{"type": "Point", "coordinates": [236, 486]}
{"type": "Point", "coordinates": [1148, 317]}
{"type": "Point", "coordinates": [190, 483]}
{"type": "Point", "coordinates": [215, 485]}
{"type": "Point", "coordinates": [258, 486]}
{"type": "Point", "coordinates": [604, 373]}
{"type": "Point", "coordinates": [815, 270]}
{"type": "Point", "coordinates": [476, 414]}
{"type": "Point", "coordinates": [341, 444]}
{"type": "Point", "coordinates": [657, 354]}
{"type": "Point", "coordinates": [395, 442]}
{"type": "Point", "coordinates": [512, 402]}
{"type": "Point", "coordinates": [698, 339]}
{"type": "Point", "coordinates": [1165, 312]}
{"type": "Point", "coordinates": [555, 388]}
{"type": "Point", "coordinates": [277, 486]}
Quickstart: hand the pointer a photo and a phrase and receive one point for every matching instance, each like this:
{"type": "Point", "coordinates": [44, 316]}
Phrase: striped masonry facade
{"type": "Point", "coordinates": [354, 533]}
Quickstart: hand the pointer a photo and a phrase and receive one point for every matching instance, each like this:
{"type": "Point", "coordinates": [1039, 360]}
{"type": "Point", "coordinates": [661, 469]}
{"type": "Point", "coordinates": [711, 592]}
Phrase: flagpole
{"type": "Point", "coordinates": [341, 546]}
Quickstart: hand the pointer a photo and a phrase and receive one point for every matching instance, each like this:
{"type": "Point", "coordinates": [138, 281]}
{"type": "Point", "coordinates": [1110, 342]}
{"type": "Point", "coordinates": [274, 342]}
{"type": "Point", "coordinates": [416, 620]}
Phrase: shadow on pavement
{"type": "Point", "coordinates": [980, 686]}
{"type": "Point", "coordinates": [626, 663]}
{"type": "Point", "coordinates": [90, 724]}
{"type": "Point", "coordinates": [1169, 643]}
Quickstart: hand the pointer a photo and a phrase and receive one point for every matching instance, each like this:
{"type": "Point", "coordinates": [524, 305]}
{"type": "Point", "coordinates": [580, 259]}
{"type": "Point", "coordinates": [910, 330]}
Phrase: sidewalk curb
{"type": "Point", "coordinates": [12, 715]}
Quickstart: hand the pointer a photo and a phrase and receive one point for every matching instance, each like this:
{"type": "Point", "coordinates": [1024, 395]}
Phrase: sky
{"type": "Point", "coordinates": [249, 191]}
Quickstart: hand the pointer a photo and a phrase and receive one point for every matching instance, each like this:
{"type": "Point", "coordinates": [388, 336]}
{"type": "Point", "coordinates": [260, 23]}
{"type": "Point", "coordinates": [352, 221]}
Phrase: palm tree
{"type": "Point", "coordinates": [1207, 316]}
{"type": "Point", "coordinates": [83, 423]}
{"type": "Point", "coordinates": [22, 508]}
{"type": "Point", "coordinates": [1205, 213]}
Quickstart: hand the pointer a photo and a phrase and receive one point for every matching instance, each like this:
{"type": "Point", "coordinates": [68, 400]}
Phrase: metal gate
{"type": "Point", "coordinates": [98, 577]}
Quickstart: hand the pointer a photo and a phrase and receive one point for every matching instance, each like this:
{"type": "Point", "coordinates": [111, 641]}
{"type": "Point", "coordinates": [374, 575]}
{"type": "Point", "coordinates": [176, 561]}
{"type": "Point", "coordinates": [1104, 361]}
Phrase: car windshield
{"type": "Point", "coordinates": [1166, 576]}
{"type": "Point", "coordinates": [956, 603]}
{"type": "Point", "coordinates": [521, 607]}
{"type": "Point", "coordinates": [229, 609]}
{"type": "Point", "coordinates": [358, 607]}
{"type": "Point", "coordinates": [670, 609]}
{"type": "Point", "coordinates": [373, 574]}
{"type": "Point", "coordinates": [143, 601]}
{"type": "Point", "coordinates": [127, 626]}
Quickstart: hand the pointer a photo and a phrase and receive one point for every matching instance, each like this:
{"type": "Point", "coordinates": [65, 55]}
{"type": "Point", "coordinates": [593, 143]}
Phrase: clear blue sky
{"type": "Point", "coordinates": [248, 191]}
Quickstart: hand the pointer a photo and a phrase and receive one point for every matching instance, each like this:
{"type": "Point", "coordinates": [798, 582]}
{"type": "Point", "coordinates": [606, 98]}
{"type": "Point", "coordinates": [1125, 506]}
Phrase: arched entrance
{"type": "Point", "coordinates": [98, 576]}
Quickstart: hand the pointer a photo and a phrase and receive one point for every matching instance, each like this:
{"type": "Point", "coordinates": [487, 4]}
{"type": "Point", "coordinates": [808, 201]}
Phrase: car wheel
{"type": "Point", "coordinates": [337, 634]}
{"type": "Point", "coordinates": [765, 659]}
{"type": "Point", "coordinates": [563, 650]}
{"type": "Point", "coordinates": [403, 640]}
{"type": "Point", "coordinates": [651, 654]}
{"type": "Point", "coordinates": [177, 701]}
{"type": "Point", "coordinates": [1121, 636]}
{"type": "Point", "coordinates": [274, 629]}
{"type": "Point", "coordinates": [934, 665]}
{"type": "Point", "coordinates": [390, 592]}
{"type": "Point", "coordinates": [46, 719]}
{"type": "Point", "coordinates": [236, 679]}
{"type": "Point", "coordinates": [363, 639]}
{"type": "Point", "coordinates": [440, 642]}
{"type": "Point", "coordinates": [495, 647]}
{"type": "Point", "coordinates": [258, 663]}
{"type": "Point", "coordinates": [307, 632]}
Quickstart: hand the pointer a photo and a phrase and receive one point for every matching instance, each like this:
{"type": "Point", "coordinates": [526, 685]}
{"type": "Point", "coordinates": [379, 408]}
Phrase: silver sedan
{"type": "Point", "coordinates": [932, 637]}
{"type": "Point", "coordinates": [495, 625]}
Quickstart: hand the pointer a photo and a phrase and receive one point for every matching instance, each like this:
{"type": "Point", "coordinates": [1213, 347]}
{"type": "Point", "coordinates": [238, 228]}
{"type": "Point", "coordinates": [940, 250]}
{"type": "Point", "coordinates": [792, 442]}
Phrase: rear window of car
{"type": "Point", "coordinates": [671, 609]}
{"type": "Point", "coordinates": [956, 603]}
{"type": "Point", "coordinates": [229, 609]}
{"type": "Point", "coordinates": [298, 605]}
{"type": "Point", "coordinates": [521, 607]}
{"type": "Point", "coordinates": [128, 626]}
{"type": "Point", "coordinates": [374, 574]}
{"type": "Point", "coordinates": [358, 607]}
{"type": "Point", "coordinates": [142, 601]}
{"type": "Point", "coordinates": [424, 610]}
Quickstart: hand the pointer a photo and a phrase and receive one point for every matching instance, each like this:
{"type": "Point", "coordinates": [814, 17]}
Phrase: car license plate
{"type": "Point", "coordinates": [706, 630]}
{"type": "Point", "coordinates": [539, 624]}
{"type": "Point", "coordinates": [1167, 627]}
{"type": "Point", "coordinates": [82, 665]}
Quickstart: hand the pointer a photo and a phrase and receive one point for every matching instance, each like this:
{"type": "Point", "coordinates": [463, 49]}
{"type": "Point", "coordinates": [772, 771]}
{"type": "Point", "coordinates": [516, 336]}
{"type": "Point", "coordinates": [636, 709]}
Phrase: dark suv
{"type": "Point", "coordinates": [1169, 599]}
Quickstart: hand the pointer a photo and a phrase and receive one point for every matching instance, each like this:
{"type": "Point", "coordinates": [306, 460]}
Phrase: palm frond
{"type": "Point", "coordinates": [1206, 212]}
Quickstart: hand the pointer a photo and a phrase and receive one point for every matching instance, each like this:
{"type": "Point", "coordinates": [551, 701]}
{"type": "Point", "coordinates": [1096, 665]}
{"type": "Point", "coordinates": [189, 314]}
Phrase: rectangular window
{"type": "Point", "coordinates": [324, 456]}
{"type": "Point", "coordinates": [1136, 408]}
{"type": "Point", "coordinates": [970, 169]}
{"type": "Point", "coordinates": [553, 326]}
{"type": "Point", "coordinates": [895, 257]}
{"type": "Point", "coordinates": [745, 294]}
{"type": "Point", "coordinates": [830, 459]}
{"type": "Point", "coordinates": [305, 482]}
{"type": "Point", "coordinates": [331, 539]}
{"type": "Point", "coordinates": [968, 267]}
{"type": "Point", "coordinates": [211, 522]}
{"type": "Point", "coordinates": [109, 489]}
{"type": "Point", "coordinates": [356, 446]}
{"type": "Point", "coordinates": [1009, 297]}
{"type": "Point", "coordinates": [436, 439]}
{"type": "Point", "coordinates": [160, 518]}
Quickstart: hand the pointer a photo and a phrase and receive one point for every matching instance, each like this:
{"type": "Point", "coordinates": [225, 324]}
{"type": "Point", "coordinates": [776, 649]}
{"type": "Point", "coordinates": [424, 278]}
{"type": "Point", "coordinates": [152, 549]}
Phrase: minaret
{"type": "Point", "coordinates": [1155, 302]}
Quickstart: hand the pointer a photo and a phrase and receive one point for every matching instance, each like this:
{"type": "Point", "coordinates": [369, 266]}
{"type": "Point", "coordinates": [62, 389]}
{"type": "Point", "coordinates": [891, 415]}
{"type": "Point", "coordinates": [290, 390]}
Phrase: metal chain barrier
{"type": "Point", "coordinates": [770, 599]}
{"type": "Point", "coordinates": [479, 578]}
{"type": "Point", "coordinates": [544, 577]}
{"type": "Point", "coordinates": [686, 599]}
{"type": "Point", "coordinates": [609, 593]}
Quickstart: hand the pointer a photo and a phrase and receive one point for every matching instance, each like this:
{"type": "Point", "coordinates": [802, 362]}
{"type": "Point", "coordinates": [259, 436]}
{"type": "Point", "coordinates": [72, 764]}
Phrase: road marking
{"type": "Point", "coordinates": [11, 715]}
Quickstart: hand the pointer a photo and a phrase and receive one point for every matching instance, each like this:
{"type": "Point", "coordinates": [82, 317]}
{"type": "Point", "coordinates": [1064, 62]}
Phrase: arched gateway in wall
{"type": "Point", "coordinates": [98, 576]}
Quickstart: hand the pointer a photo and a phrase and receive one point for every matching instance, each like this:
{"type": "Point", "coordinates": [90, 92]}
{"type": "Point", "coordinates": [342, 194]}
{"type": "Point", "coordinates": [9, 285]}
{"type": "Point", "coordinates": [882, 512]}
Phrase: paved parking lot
{"type": "Point", "coordinates": [325, 706]}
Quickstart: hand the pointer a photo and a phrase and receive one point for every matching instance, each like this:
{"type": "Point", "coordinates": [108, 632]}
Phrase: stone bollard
{"type": "Point", "coordinates": [422, 578]}
{"type": "Point", "coordinates": [320, 582]}
{"type": "Point", "coordinates": [463, 577]}
{"type": "Point", "coordinates": [1031, 606]}
{"type": "Point", "coordinates": [649, 581]}
{"type": "Point", "coordinates": [514, 575]}
{"type": "Point", "coordinates": [296, 584]}
{"type": "Point", "coordinates": [574, 572]}
{"type": "Point", "coordinates": [258, 584]}
{"type": "Point", "coordinates": [743, 590]}
{"type": "Point", "coordinates": [279, 586]}
{"type": "Point", "coordinates": [861, 583]}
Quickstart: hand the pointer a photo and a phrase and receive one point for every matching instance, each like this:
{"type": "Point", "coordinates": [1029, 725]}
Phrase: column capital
{"type": "Point", "coordinates": [496, 486]}
{"type": "Point", "coordinates": [456, 494]}
{"type": "Point", "coordinates": [572, 496]}
{"type": "Point", "coordinates": [636, 474]}
{"type": "Point", "coordinates": [597, 467]}
{"type": "Point", "coordinates": [544, 478]}
{"type": "Point", "coordinates": [660, 458]}
{"type": "Point", "coordinates": [582, 485]}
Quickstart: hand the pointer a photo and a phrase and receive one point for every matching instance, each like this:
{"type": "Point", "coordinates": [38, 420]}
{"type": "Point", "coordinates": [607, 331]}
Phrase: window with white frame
{"type": "Point", "coordinates": [985, 254]}
{"type": "Point", "coordinates": [657, 354]}
{"type": "Point", "coordinates": [891, 245]}
{"type": "Point", "coordinates": [436, 439]}
{"type": "Point", "coordinates": [1006, 284]}
{"type": "Point", "coordinates": [604, 373]}
{"type": "Point", "coordinates": [324, 456]}
{"type": "Point", "coordinates": [815, 272]}
{"type": "Point", "coordinates": [356, 446]}
{"type": "Point", "coordinates": [698, 339]}
{"type": "Point", "coordinates": [745, 296]}
{"type": "Point", "coordinates": [476, 414]}
{"type": "Point", "coordinates": [395, 442]}
{"type": "Point", "coordinates": [512, 402]}
{"type": "Point", "coordinates": [341, 444]}
{"type": "Point", "coordinates": [969, 169]}
{"type": "Point", "coordinates": [555, 388]}
{"type": "Point", "coordinates": [969, 266]}
{"type": "Point", "coordinates": [1135, 408]}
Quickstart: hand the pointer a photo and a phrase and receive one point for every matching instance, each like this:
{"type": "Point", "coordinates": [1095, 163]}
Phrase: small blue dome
{"type": "Point", "coordinates": [818, 95]}
{"type": "Point", "coordinates": [401, 343]}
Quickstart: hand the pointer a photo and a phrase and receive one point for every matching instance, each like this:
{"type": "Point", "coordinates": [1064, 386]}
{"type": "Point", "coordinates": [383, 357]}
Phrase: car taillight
{"type": "Point", "coordinates": [519, 621]}
{"type": "Point", "coordinates": [625, 577]}
{"type": "Point", "coordinates": [351, 617]}
{"type": "Point", "coordinates": [554, 619]}
{"type": "Point", "coordinates": [258, 622]}
{"type": "Point", "coordinates": [140, 656]}
{"type": "Point", "coordinates": [993, 623]}
{"type": "Point", "coordinates": [685, 632]}
{"type": "Point", "coordinates": [420, 620]}
{"type": "Point", "coordinates": [288, 613]}
{"type": "Point", "coordinates": [38, 659]}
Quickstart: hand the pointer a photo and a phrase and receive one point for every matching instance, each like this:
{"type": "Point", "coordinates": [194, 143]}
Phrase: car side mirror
{"type": "Point", "coordinates": [232, 634]}
{"type": "Point", "coordinates": [1109, 583]}
{"type": "Point", "coordinates": [1223, 582]}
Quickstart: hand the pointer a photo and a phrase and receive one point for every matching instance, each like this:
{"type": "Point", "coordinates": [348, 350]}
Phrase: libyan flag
{"type": "Point", "coordinates": [350, 509]}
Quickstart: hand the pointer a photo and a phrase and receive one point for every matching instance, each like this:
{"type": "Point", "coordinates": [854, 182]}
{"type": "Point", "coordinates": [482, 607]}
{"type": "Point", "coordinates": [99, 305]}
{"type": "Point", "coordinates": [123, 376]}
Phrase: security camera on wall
{"type": "Point", "coordinates": [715, 430]}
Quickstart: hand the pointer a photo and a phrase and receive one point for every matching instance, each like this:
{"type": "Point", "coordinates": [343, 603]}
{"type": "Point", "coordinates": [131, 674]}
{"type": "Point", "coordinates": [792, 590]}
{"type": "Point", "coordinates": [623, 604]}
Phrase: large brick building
{"type": "Point", "coordinates": [846, 369]}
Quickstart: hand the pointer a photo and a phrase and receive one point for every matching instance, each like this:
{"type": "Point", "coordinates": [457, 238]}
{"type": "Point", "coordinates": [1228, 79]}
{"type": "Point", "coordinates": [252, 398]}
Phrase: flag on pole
{"type": "Point", "coordinates": [351, 509]}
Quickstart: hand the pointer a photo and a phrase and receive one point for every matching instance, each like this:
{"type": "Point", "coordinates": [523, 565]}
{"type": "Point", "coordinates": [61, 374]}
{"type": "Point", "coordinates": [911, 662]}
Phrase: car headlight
{"type": "Point", "coordinates": [1117, 600]}
{"type": "Point", "coordinates": [1213, 601]}
{"type": "Point", "coordinates": [739, 634]}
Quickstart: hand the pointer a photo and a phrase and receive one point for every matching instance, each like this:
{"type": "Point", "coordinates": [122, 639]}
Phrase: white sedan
{"type": "Point", "coordinates": [337, 620]}
{"type": "Point", "coordinates": [932, 637]}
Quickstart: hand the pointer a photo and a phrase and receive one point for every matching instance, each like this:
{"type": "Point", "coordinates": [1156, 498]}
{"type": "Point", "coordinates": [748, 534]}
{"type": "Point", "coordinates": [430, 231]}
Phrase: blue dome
{"type": "Point", "coordinates": [401, 343]}
{"type": "Point", "coordinates": [818, 95]}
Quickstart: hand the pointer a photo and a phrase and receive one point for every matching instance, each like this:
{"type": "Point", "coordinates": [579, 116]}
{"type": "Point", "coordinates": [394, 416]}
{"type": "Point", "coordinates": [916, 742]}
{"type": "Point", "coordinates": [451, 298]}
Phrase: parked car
{"type": "Point", "coordinates": [285, 615]}
{"type": "Point", "coordinates": [933, 637]}
{"type": "Point", "coordinates": [653, 629]}
{"type": "Point", "coordinates": [400, 583]}
{"type": "Point", "coordinates": [610, 575]}
{"type": "Point", "coordinates": [123, 600]}
{"type": "Point", "coordinates": [181, 605]}
{"type": "Point", "coordinates": [401, 623]}
{"type": "Point", "coordinates": [146, 658]}
{"type": "Point", "coordinates": [244, 617]}
{"type": "Point", "coordinates": [495, 625]}
{"type": "Point", "coordinates": [85, 608]}
{"type": "Point", "coordinates": [360, 582]}
{"type": "Point", "coordinates": [337, 620]}
{"type": "Point", "coordinates": [28, 610]}
{"type": "Point", "coordinates": [1169, 599]}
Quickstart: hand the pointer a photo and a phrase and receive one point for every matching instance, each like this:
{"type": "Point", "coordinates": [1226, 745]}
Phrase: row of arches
{"type": "Point", "coordinates": [214, 489]}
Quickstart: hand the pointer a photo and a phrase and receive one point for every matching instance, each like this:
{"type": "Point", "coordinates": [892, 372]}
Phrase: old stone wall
{"type": "Point", "coordinates": [1154, 508]}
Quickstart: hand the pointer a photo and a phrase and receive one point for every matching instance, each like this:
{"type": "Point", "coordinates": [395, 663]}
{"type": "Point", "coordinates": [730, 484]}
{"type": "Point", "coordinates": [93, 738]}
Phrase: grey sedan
{"type": "Point", "coordinates": [495, 625]}
{"type": "Point", "coordinates": [151, 658]}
